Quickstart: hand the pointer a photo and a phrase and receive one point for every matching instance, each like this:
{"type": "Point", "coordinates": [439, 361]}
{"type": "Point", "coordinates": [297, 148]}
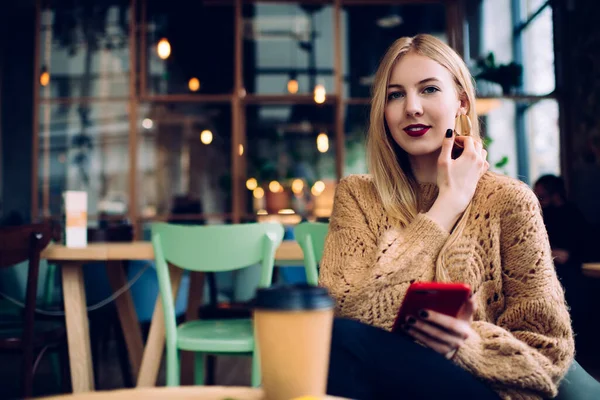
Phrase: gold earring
{"type": "Point", "coordinates": [462, 125]}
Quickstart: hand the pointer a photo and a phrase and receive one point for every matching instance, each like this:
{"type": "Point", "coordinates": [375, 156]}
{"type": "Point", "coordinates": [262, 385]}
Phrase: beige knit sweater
{"type": "Point", "coordinates": [525, 343]}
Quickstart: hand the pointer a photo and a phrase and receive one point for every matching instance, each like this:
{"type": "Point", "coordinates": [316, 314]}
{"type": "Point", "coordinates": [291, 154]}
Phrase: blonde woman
{"type": "Point", "coordinates": [427, 213]}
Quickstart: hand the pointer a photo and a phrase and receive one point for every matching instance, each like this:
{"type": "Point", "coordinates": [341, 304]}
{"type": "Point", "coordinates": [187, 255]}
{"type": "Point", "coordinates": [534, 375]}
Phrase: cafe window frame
{"type": "Point", "coordinates": [238, 99]}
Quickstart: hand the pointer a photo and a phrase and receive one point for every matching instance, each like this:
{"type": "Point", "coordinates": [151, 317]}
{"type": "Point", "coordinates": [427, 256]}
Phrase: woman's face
{"type": "Point", "coordinates": [422, 103]}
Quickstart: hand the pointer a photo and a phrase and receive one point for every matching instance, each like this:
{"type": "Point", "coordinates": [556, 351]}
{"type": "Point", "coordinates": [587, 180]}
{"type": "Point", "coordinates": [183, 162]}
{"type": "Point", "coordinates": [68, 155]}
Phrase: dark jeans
{"type": "Point", "coordinates": [371, 363]}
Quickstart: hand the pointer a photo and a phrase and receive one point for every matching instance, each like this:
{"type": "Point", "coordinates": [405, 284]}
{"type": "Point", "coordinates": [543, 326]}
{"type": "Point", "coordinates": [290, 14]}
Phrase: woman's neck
{"type": "Point", "coordinates": [424, 167]}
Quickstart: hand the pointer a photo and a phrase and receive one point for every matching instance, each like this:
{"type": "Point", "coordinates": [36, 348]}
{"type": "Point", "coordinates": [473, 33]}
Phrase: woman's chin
{"type": "Point", "coordinates": [422, 151]}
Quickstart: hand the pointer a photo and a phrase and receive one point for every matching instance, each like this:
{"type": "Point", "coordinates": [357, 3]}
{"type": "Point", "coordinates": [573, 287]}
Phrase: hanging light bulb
{"type": "Point", "coordinates": [275, 187]}
{"type": "Point", "coordinates": [319, 94]}
{"type": "Point", "coordinates": [251, 184]}
{"type": "Point", "coordinates": [318, 188]}
{"type": "Point", "coordinates": [163, 49]}
{"type": "Point", "coordinates": [147, 123]}
{"type": "Point", "coordinates": [297, 186]}
{"type": "Point", "coordinates": [44, 77]}
{"type": "Point", "coordinates": [241, 149]}
{"type": "Point", "coordinates": [206, 136]}
{"type": "Point", "coordinates": [258, 193]}
{"type": "Point", "coordinates": [194, 84]}
{"type": "Point", "coordinates": [322, 142]}
{"type": "Point", "coordinates": [292, 85]}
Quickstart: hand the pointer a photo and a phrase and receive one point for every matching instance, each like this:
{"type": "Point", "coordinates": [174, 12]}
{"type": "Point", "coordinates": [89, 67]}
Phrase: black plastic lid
{"type": "Point", "coordinates": [293, 298]}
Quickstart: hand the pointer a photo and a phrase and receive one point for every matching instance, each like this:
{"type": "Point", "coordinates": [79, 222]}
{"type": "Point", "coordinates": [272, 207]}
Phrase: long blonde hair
{"type": "Point", "coordinates": [387, 162]}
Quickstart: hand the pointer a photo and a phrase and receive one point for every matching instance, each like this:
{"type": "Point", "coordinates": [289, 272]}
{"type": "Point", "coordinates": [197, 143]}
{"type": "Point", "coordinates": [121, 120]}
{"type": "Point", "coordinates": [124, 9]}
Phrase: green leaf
{"type": "Point", "coordinates": [502, 163]}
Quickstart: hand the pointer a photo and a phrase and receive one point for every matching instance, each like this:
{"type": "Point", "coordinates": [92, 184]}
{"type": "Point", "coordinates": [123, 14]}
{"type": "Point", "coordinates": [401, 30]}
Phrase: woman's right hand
{"type": "Point", "coordinates": [457, 179]}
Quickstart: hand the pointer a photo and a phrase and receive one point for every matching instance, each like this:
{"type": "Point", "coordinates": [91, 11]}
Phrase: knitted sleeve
{"type": "Point", "coordinates": [366, 274]}
{"type": "Point", "coordinates": [530, 347]}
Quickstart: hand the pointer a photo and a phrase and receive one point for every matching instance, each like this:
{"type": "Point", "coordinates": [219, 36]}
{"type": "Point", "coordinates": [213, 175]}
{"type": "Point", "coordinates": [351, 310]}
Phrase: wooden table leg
{"type": "Point", "coordinates": [195, 299]}
{"type": "Point", "coordinates": [155, 343]}
{"type": "Point", "coordinates": [78, 328]}
{"type": "Point", "coordinates": [127, 316]}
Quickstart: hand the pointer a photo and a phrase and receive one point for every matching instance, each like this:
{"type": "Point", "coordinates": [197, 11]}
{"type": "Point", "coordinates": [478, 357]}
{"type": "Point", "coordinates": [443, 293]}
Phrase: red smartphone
{"type": "Point", "coordinates": [445, 298]}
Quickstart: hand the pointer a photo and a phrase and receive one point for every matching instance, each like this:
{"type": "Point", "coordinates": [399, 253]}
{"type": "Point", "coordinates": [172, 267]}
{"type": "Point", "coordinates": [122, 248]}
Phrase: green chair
{"type": "Point", "coordinates": [311, 238]}
{"type": "Point", "coordinates": [211, 249]}
{"type": "Point", "coordinates": [578, 385]}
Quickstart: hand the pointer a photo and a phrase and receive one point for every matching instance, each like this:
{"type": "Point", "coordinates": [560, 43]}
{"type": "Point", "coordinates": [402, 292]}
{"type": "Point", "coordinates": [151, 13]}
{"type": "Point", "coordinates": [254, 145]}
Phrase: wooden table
{"type": "Point", "coordinates": [178, 393]}
{"type": "Point", "coordinates": [591, 269]}
{"type": "Point", "coordinates": [144, 362]}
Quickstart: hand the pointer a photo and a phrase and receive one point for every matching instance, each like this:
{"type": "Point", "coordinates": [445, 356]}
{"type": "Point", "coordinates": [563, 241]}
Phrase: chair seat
{"type": "Point", "coordinates": [216, 336]}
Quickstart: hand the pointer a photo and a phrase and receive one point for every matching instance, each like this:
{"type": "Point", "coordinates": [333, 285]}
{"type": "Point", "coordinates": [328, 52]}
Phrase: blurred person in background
{"type": "Point", "coordinates": [568, 233]}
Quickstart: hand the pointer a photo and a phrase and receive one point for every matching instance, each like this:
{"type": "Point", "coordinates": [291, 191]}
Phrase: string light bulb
{"type": "Point", "coordinates": [194, 84]}
{"type": "Point", "coordinates": [319, 94]}
{"type": "Point", "coordinates": [44, 77]}
{"type": "Point", "coordinates": [318, 188]}
{"type": "Point", "coordinates": [206, 136]}
{"type": "Point", "coordinates": [258, 193]}
{"type": "Point", "coordinates": [292, 86]}
{"type": "Point", "coordinates": [251, 184]}
{"type": "Point", "coordinates": [163, 48]}
{"type": "Point", "coordinates": [297, 186]}
{"type": "Point", "coordinates": [275, 187]}
{"type": "Point", "coordinates": [147, 123]}
{"type": "Point", "coordinates": [322, 142]}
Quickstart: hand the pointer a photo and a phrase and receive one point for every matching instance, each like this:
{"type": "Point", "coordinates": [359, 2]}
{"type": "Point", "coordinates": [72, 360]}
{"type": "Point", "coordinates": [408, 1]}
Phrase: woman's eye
{"type": "Point", "coordinates": [394, 95]}
{"type": "Point", "coordinates": [430, 89]}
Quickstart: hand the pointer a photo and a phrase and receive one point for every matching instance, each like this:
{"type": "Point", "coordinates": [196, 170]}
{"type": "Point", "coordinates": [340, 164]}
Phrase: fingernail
{"type": "Point", "coordinates": [411, 320]}
{"type": "Point", "coordinates": [423, 314]}
{"type": "Point", "coordinates": [449, 133]}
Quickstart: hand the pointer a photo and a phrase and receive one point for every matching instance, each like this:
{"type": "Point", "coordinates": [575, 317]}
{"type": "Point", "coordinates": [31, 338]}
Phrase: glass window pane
{"type": "Point", "coordinates": [531, 6]}
{"type": "Point", "coordinates": [355, 131]}
{"type": "Point", "coordinates": [196, 38]}
{"type": "Point", "coordinates": [544, 138]}
{"type": "Point", "coordinates": [84, 49]}
{"type": "Point", "coordinates": [497, 30]}
{"type": "Point", "coordinates": [538, 55]}
{"type": "Point", "coordinates": [290, 159]}
{"type": "Point", "coordinates": [497, 39]}
{"type": "Point", "coordinates": [498, 125]}
{"type": "Point", "coordinates": [85, 147]}
{"type": "Point", "coordinates": [542, 133]}
{"type": "Point", "coordinates": [367, 32]}
{"type": "Point", "coordinates": [288, 48]}
{"type": "Point", "coordinates": [184, 160]}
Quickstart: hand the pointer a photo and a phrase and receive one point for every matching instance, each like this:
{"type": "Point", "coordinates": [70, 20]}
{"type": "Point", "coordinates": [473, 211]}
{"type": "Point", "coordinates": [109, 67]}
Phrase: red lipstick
{"type": "Point", "coordinates": [416, 130]}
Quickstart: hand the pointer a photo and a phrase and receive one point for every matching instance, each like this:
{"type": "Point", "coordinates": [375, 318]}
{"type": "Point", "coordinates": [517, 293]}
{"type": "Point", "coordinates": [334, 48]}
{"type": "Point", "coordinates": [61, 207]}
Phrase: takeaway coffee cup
{"type": "Point", "coordinates": [293, 334]}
